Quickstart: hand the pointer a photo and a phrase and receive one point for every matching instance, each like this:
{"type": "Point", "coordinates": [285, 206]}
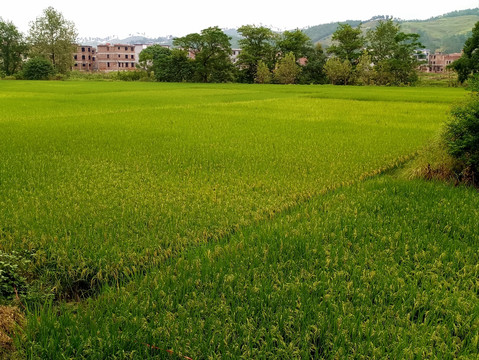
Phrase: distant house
{"type": "Point", "coordinates": [234, 55]}
{"type": "Point", "coordinates": [438, 62]}
{"type": "Point", "coordinates": [116, 57]}
{"type": "Point", "coordinates": [84, 58]}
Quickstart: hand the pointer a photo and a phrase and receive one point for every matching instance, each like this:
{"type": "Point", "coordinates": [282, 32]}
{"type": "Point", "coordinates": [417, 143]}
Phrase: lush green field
{"type": "Point", "coordinates": [100, 180]}
{"type": "Point", "coordinates": [234, 220]}
{"type": "Point", "coordinates": [384, 269]}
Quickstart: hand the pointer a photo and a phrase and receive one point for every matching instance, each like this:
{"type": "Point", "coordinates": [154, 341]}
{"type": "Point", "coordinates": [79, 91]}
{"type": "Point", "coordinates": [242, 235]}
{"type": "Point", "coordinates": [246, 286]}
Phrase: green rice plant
{"type": "Point", "coordinates": [105, 180]}
{"type": "Point", "coordinates": [383, 269]}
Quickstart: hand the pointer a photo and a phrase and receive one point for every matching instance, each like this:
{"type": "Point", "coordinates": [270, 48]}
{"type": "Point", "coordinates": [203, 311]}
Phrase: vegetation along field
{"type": "Point", "coordinates": [233, 221]}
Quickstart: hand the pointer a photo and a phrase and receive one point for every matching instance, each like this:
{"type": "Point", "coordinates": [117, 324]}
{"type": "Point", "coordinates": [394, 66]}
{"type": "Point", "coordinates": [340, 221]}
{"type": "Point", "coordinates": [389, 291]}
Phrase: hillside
{"type": "Point", "coordinates": [445, 33]}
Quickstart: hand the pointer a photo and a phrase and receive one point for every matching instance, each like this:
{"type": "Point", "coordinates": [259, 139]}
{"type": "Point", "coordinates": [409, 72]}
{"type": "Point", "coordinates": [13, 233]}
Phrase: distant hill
{"type": "Point", "coordinates": [446, 33]}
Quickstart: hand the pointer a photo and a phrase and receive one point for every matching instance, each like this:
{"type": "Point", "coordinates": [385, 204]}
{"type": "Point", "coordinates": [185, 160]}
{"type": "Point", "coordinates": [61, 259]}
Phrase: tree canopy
{"type": "Point", "coordinates": [347, 43]}
{"type": "Point", "coordinates": [212, 51]}
{"type": "Point", "coordinates": [392, 53]}
{"type": "Point", "coordinates": [12, 48]}
{"type": "Point", "coordinates": [53, 38]}
{"type": "Point", "coordinates": [468, 63]}
{"type": "Point", "coordinates": [257, 44]}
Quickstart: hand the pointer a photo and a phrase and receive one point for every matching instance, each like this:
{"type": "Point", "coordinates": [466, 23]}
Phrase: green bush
{"type": "Point", "coordinates": [462, 139]}
{"type": "Point", "coordinates": [11, 268]}
{"type": "Point", "coordinates": [38, 69]}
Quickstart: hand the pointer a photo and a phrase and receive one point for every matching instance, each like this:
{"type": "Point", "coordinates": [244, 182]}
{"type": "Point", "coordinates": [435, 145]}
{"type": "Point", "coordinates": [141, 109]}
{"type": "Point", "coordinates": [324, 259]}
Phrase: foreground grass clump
{"type": "Point", "coordinates": [100, 181]}
{"type": "Point", "coordinates": [384, 269]}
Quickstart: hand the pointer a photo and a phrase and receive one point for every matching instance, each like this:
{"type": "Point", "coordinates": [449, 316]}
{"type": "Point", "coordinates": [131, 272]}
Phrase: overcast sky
{"type": "Point", "coordinates": [160, 18]}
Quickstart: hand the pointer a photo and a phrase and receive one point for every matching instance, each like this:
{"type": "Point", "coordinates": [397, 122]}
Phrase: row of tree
{"type": "Point", "coordinates": [49, 46]}
{"type": "Point", "coordinates": [385, 55]}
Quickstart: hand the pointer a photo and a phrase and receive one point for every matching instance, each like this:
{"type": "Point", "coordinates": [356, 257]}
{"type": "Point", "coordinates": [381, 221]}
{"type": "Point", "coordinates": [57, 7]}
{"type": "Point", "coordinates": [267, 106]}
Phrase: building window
{"type": "Point", "coordinates": [118, 48]}
{"type": "Point", "coordinates": [132, 56]}
{"type": "Point", "coordinates": [93, 58]}
{"type": "Point", "coordinates": [82, 49]}
{"type": "Point", "coordinates": [132, 64]}
{"type": "Point", "coordinates": [107, 64]}
{"type": "Point", "coordinates": [132, 48]}
{"type": "Point", "coordinates": [75, 57]}
{"type": "Point", "coordinates": [126, 64]}
{"type": "Point", "coordinates": [89, 49]}
{"type": "Point", "coordinates": [76, 64]}
{"type": "Point", "coordinates": [83, 65]}
{"type": "Point", "coordinates": [89, 57]}
{"type": "Point", "coordinates": [107, 56]}
{"type": "Point", "coordinates": [83, 57]}
{"type": "Point", "coordinates": [119, 55]}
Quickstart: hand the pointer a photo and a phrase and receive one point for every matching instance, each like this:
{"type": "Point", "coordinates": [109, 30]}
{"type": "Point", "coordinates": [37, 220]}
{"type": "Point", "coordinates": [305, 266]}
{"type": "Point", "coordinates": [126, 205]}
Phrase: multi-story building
{"type": "Point", "coordinates": [84, 58]}
{"type": "Point", "coordinates": [117, 57]}
{"type": "Point", "coordinates": [437, 63]}
{"type": "Point", "coordinates": [234, 55]}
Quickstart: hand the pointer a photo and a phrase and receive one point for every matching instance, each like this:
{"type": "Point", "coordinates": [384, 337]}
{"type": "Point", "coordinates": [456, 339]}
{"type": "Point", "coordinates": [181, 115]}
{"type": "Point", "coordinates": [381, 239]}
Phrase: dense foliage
{"type": "Point", "coordinates": [462, 138]}
{"type": "Point", "coordinates": [468, 64]}
{"type": "Point", "coordinates": [53, 37]}
{"type": "Point", "coordinates": [12, 48]}
{"type": "Point", "coordinates": [38, 68]}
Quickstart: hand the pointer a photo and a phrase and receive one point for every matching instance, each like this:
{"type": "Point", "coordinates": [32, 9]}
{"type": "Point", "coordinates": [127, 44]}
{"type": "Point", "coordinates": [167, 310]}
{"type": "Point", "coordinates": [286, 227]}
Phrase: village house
{"type": "Point", "coordinates": [84, 58]}
{"type": "Point", "coordinates": [116, 57]}
{"type": "Point", "coordinates": [437, 63]}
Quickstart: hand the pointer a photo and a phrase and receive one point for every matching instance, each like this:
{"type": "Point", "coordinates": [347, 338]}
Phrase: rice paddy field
{"type": "Point", "coordinates": [175, 221]}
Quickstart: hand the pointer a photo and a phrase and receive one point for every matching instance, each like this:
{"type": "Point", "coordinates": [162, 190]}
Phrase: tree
{"type": "Point", "coordinates": [468, 63]}
{"type": "Point", "coordinates": [257, 43]}
{"type": "Point", "coordinates": [145, 60]}
{"type": "Point", "coordinates": [392, 53]}
{"type": "Point", "coordinates": [263, 74]}
{"type": "Point", "coordinates": [364, 70]}
{"type": "Point", "coordinates": [338, 72]}
{"type": "Point", "coordinates": [296, 42]}
{"type": "Point", "coordinates": [12, 48]}
{"type": "Point", "coordinates": [212, 50]}
{"type": "Point", "coordinates": [287, 70]}
{"type": "Point", "coordinates": [53, 38]}
{"type": "Point", "coordinates": [38, 68]}
{"type": "Point", "coordinates": [313, 71]}
{"type": "Point", "coordinates": [347, 43]}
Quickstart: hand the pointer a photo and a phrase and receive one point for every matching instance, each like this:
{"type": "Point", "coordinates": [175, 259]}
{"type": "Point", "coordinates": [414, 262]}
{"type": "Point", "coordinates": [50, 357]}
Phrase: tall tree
{"type": "Point", "coordinates": [296, 42]}
{"type": "Point", "coordinates": [392, 53]}
{"type": "Point", "coordinates": [347, 43]}
{"type": "Point", "coordinates": [212, 51]}
{"type": "Point", "coordinates": [53, 37]}
{"type": "Point", "coordinates": [338, 72]}
{"type": "Point", "coordinates": [313, 71]}
{"type": "Point", "coordinates": [468, 63]}
{"type": "Point", "coordinates": [257, 44]}
{"type": "Point", "coordinates": [263, 74]}
{"type": "Point", "coordinates": [287, 70]}
{"type": "Point", "coordinates": [12, 48]}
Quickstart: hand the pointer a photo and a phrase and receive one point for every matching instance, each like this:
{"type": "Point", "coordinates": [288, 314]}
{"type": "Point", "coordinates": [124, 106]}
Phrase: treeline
{"type": "Point", "coordinates": [385, 56]}
{"type": "Point", "coordinates": [48, 47]}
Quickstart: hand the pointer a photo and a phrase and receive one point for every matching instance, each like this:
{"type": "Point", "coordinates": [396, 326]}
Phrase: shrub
{"type": "Point", "coordinates": [461, 137]}
{"type": "Point", "coordinates": [38, 69]}
{"type": "Point", "coordinates": [11, 269]}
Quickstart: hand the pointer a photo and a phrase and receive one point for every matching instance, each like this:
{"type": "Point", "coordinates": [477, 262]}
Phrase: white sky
{"type": "Point", "coordinates": [161, 18]}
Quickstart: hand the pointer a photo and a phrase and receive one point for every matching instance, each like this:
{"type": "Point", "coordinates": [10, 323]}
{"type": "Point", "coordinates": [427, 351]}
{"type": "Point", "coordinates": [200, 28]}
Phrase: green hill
{"type": "Point", "coordinates": [446, 33]}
